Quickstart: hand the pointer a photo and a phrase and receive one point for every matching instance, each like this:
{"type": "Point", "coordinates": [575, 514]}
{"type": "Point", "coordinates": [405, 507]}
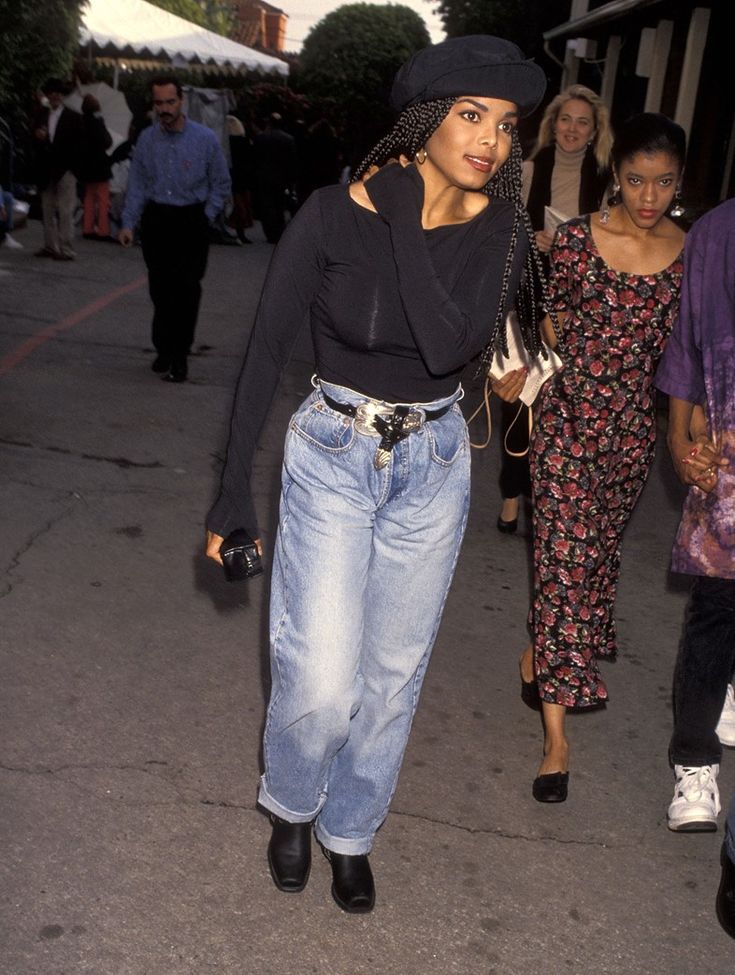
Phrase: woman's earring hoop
{"type": "Point", "coordinates": [421, 157]}
{"type": "Point", "coordinates": [677, 209]}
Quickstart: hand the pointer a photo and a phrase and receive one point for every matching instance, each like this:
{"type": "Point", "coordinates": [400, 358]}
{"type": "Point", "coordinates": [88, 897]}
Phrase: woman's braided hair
{"type": "Point", "coordinates": [412, 129]}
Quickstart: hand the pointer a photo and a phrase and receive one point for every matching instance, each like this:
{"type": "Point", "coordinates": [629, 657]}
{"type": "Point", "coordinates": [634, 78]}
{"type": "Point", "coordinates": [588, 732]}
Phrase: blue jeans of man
{"type": "Point", "coordinates": [362, 567]}
{"type": "Point", "coordinates": [730, 830]}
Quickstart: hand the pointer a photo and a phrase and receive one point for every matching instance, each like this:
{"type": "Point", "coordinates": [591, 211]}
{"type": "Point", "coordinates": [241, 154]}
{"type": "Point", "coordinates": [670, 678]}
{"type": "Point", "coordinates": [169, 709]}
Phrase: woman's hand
{"type": "Point", "coordinates": [214, 543]}
{"type": "Point", "coordinates": [510, 387]}
{"type": "Point", "coordinates": [372, 170]}
{"type": "Point", "coordinates": [697, 462]}
{"type": "Point", "coordinates": [544, 240]}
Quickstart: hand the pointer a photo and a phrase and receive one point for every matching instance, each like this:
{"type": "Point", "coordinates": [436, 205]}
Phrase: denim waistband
{"type": "Point", "coordinates": [344, 394]}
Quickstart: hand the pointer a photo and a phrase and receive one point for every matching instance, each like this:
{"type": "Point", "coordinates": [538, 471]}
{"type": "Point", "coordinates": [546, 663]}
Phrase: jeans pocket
{"type": "Point", "coordinates": [323, 428]}
{"type": "Point", "coordinates": [447, 436]}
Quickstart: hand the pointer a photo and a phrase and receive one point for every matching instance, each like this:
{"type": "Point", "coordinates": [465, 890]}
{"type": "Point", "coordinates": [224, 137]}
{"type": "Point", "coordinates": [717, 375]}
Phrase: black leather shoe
{"type": "Point", "coordinates": [725, 903]}
{"type": "Point", "coordinates": [177, 373]}
{"type": "Point", "coordinates": [162, 363]}
{"type": "Point", "coordinates": [352, 882]}
{"type": "Point", "coordinates": [507, 527]}
{"type": "Point", "coordinates": [289, 855]}
{"type": "Point", "coordinates": [551, 788]}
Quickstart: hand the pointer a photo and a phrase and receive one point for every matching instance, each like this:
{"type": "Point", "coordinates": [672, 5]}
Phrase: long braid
{"type": "Point", "coordinates": [413, 127]}
{"type": "Point", "coordinates": [532, 298]}
{"type": "Point", "coordinates": [409, 134]}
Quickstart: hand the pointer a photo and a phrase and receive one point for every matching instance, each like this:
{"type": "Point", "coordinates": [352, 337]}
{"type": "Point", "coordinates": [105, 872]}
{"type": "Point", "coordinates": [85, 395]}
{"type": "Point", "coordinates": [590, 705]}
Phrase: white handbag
{"type": "Point", "coordinates": [539, 368]}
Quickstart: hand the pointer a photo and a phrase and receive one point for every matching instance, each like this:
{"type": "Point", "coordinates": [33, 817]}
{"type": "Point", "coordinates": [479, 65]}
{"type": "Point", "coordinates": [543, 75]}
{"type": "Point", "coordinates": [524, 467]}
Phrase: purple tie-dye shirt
{"type": "Point", "coordinates": [698, 366]}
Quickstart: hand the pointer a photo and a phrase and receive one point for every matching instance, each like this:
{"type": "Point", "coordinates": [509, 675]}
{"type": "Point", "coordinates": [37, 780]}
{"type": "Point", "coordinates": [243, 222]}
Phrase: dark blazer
{"type": "Point", "coordinates": [53, 159]}
{"type": "Point", "coordinates": [94, 163]}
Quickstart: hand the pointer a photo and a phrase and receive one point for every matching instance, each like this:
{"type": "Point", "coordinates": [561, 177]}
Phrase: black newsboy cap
{"type": "Point", "coordinates": [477, 64]}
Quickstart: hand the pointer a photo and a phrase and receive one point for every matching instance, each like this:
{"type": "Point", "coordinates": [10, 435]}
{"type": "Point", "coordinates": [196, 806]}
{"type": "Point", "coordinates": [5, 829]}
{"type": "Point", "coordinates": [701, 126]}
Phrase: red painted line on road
{"type": "Point", "coordinates": [14, 358]}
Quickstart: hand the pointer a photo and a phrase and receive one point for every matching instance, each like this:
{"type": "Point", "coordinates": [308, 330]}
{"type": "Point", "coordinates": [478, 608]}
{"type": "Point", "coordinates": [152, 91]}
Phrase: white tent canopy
{"type": "Point", "coordinates": [134, 28]}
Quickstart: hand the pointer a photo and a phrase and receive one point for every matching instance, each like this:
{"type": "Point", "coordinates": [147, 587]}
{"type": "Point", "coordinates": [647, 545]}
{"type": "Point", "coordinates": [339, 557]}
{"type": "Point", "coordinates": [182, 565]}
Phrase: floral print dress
{"type": "Point", "coordinates": [593, 443]}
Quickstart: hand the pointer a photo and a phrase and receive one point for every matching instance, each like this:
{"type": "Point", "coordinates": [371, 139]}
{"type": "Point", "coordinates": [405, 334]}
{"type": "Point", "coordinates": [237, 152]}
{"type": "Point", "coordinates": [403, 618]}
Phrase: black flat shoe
{"type": "Point", "coordinates": [161, 363]}
{"type": "Point", "coordinates": [725, 903]}
{"type": "Point", "coordinates": [507, 527]}
{"type": "Point", "coordinates": [176, 374]}
{"type": "Point", "coordinates": [530, 694]}
{"type": "Point", "coordinates": [289, 855]}
{"type": "Point", "coordinates": [352, 882]}
{"type": "Point", "coordinates": [551, 787]}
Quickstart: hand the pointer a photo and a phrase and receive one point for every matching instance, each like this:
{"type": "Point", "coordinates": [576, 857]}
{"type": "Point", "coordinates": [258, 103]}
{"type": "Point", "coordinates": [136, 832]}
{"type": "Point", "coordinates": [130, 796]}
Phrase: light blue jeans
{"type": "Point", "coordinates": [361, 570]}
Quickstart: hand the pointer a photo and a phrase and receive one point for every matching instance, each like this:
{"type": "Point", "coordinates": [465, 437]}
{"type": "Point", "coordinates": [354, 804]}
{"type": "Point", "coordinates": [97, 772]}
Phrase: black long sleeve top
{"type": "Point", "coordinates": [396, 311]}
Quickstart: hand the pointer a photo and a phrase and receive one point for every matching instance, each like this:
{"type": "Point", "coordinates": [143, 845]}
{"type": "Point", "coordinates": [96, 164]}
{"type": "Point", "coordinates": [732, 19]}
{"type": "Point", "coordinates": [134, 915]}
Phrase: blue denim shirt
{"type": "Point", "coordinates": [177, 168]}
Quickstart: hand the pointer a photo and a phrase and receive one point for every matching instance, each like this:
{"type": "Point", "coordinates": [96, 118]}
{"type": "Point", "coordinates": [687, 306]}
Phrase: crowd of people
{"type": "Point", "coordinates": [407, 276]}
{"type": "Point", "coordinates": [169, 187]}
{"type": "Point", "coordinates": [375, 480]}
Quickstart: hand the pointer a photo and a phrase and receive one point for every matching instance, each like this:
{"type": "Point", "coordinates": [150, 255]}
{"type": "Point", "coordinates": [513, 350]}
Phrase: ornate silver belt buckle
{"type": "Point", "coordinates": [365, 416]}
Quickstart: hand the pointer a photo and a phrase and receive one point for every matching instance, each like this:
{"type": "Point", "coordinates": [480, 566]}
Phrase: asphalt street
{"type": "Point", "coordinates": [134, 681]}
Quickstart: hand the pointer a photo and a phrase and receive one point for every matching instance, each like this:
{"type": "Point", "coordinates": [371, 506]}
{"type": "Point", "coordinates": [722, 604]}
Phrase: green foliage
{"type": "Point", "coordinates": [220, 17]}
{"type": "Point", "coordinates": [40, 39]}
{"type": "Point", "coordinates": [256, 102]}
{"type": "Point", "coordinates": [520, 21]}
{"type": "Point", "coordinates": [350, 58]}
{"type": "Point", "coordinates": [188, 9]}
{"type": "Point", "coordinates": [215, 15]}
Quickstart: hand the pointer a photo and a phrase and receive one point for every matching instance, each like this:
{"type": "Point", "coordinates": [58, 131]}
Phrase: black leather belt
{"type": "Point", "coordinates": [392, 426]}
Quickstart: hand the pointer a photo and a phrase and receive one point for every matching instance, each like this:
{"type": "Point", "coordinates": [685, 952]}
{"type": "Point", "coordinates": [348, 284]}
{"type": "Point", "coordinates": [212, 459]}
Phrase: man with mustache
{"type": "Point", "coordinates": [179, 182]}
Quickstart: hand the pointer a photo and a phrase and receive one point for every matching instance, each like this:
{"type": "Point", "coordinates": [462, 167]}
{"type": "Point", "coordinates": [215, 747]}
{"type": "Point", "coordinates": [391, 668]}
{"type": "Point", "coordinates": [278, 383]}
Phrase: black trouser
{"type": "Point", "coordinates": [271, 211]}
{"type": "Point", "coordinates": [175, 248]}
{"type": "Point", "coordinates": [703, 670]}
{"type": "Point", "coordinates": [514, 473]}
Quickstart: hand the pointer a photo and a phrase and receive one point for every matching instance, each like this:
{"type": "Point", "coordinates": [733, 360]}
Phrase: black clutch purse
{"type": "Point", "coordinates": [240, 556]}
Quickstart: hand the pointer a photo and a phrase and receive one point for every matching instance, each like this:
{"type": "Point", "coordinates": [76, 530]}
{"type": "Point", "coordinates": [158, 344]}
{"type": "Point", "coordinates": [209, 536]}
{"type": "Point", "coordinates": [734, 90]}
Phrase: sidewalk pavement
{"type": "Point", "coordinates": [134, 681]}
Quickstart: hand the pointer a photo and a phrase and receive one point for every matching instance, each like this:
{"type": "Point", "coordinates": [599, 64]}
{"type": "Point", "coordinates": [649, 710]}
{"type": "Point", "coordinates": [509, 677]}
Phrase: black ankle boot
{"type": "Point", "coordinates": [289, 855]}
{"type": "Point", "coordinates": [352, 882]}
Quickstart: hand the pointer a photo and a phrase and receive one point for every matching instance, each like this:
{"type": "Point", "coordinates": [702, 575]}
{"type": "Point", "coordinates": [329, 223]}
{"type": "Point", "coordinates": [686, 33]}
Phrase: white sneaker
{"type": "Point", "coordinates": [696, 802]}
{"type": "Point", "coordinates": [726, 727]}
{"type": "Point", "coordinates": [12, 244]}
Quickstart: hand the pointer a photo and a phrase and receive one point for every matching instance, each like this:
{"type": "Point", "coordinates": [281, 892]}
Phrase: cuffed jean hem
{"type": "Point", "coordinates": [266, 800]}
{"type": "Point", "coordinates": [336, 844]}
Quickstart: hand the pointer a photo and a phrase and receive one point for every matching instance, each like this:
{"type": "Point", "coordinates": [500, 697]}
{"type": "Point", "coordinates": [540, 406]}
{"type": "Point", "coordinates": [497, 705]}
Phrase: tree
{"type": "Point", "coordinates": [215, 15]}
{"type": "Point", "coordinates": [521, 21]}
{"type": "Point", "coordinates": [220, 16]}
{"type": "Point", "coordinates": [188, 9]}
{"type": "Point", "coordinates": [40, 40]}
{"type": "Point", "coordinates": [349, 59]}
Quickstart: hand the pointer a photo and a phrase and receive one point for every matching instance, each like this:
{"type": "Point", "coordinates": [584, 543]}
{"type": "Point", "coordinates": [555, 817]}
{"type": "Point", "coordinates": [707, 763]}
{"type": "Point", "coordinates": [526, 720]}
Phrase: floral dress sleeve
{"type": "Point", "coordinates": [563, 264]}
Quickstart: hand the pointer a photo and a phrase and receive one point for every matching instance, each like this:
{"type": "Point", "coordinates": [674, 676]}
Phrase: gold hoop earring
{"type": "Point", "coordinates": [419, 158]}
